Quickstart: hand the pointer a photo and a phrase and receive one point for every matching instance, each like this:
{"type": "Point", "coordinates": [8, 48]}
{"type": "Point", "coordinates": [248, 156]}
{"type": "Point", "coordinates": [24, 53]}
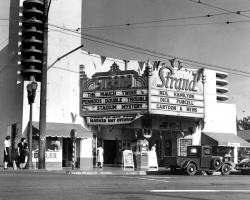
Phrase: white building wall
{"type": "Point", "coordinates": [219, 117]}
{"type": "Point", "coordinates": [63, 78]}
{"type": "Point", "coordinates": [11, 93]}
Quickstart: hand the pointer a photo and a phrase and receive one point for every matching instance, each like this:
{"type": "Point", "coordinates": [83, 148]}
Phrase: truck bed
{"type": "Point", "coordinates": [171, 161]}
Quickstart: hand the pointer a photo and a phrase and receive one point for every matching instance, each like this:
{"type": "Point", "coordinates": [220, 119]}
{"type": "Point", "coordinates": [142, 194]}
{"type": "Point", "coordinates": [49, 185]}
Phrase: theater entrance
{"type": "Point", "coordinates": [109, 151]}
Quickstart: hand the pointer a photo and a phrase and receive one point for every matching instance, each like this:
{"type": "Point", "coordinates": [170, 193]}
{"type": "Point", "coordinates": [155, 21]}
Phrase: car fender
{"type": "Point", "coordinates": [187, 162]}
{"type": "Point", "coordinates": [228, 163]}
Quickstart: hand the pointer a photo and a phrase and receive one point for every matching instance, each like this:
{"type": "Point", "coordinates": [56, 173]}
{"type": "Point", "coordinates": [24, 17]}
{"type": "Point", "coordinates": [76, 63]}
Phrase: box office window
{"type": "Point", "coordinates": [53, 144]}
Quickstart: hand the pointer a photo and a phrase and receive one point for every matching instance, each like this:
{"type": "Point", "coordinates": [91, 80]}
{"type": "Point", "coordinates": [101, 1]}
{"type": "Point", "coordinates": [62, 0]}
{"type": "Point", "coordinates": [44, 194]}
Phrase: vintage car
{"type": "Point", "coordinates": [243, 166]}
{"type": "Point", "coordinates": [199, 158]}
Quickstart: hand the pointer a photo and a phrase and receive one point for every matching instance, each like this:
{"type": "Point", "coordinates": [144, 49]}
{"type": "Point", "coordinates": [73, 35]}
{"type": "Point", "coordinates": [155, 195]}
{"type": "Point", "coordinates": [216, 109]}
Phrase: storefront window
{"type": "Point", "coordinates": [53, 144]}
{"type": "Point", "coordinates": [243, 153]}
{"type": "Point", "coordinates": [126, 145]}
{"type": "Point", "coordinates": [227, 153]}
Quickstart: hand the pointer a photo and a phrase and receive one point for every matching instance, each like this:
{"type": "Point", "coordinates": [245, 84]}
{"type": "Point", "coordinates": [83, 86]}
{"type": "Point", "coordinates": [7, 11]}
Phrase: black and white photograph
{"type": "Point", "coordinates": [125, 99]}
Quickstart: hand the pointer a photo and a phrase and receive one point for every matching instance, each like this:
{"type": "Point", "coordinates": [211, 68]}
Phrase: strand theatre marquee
{"type": "Point", "coordinates": [120, 97]}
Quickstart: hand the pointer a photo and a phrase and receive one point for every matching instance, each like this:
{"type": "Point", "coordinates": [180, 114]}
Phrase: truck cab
{"type": "Point", "coordinates": [202, 152]}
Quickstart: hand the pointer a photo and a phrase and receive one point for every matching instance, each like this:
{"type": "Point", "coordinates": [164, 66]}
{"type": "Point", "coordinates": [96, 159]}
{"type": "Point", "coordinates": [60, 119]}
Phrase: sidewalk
{"type": "Point", "coordinates": [118, 170]}
{"type": "Point", "coordinates": [113, 170]}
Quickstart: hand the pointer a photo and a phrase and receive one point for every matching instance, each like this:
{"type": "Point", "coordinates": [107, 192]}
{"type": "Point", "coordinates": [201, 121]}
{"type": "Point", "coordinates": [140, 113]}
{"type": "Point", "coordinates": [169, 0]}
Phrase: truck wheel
{"type": "Point", "coordinates": [209, 173]}
{"type": "Point", "coordinates": [244, 172]}
{"type": "Point", "coordinates": [216, 163]}
{"type": "Point", "coordinates": [191, 169]}
{"type": "Point", "coordinates": [225, 170]}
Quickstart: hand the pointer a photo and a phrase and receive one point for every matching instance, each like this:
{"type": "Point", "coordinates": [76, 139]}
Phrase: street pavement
{"type": "Point", "coordinates": [60, 184]}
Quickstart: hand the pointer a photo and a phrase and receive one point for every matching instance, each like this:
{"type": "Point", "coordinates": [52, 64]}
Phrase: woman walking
{"type": "Point", "coordinates": [21, 151]}
{"type": "Point", "coordinates": [6, 158]}
{"type": "Point", "coordinates": [100, 153]}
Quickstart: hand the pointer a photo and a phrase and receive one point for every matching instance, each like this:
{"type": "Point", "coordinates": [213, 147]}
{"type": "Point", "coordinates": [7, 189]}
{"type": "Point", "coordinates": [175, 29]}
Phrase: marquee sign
{"type": "Point", "coordinates": [114, 97]}
{"type": "Point", "coordinates": [120, 97]}
{"type": "Point", "coordinates": [177, 93]}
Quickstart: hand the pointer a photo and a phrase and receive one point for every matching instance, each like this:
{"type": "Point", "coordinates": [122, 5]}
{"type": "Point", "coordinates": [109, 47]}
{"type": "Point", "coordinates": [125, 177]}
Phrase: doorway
{"type": "Point", "coordinates": [109, 151]}
{"type": "Point", "coordinates": [67, 152]}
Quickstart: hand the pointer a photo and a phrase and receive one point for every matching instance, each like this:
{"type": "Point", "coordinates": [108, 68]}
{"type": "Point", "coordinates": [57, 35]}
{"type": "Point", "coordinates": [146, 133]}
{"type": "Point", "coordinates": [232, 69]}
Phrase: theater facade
{"type": "Point", "coordinates": [165, 106]}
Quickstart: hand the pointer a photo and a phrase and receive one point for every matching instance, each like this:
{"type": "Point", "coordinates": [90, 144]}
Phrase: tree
{"type": "Point", "coordinates": [243, 124]}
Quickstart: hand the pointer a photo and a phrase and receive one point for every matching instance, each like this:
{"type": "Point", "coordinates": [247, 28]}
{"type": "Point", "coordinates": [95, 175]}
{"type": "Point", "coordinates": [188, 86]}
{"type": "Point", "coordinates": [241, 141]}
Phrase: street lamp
{"type": "Point", "coordinates": [31, 89]}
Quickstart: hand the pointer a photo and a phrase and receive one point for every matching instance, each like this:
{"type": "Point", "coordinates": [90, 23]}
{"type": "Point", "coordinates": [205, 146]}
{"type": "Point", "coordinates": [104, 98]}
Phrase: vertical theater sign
{"type": "Point", "coordinates": [114, 97]}
{"type": "Point", "coordinates": [120, 97]}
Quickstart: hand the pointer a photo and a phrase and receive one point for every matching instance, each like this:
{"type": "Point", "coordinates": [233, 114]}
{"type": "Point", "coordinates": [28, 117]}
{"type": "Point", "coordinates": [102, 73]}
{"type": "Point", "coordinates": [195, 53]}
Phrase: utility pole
{"type": "Point", "coordinates": [43, 93]}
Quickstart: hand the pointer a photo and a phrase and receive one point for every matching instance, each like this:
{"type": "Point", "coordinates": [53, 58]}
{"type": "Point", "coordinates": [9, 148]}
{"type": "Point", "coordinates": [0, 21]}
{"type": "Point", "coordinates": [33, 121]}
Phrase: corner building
{"type": "Point", "coordinates": [108, 102]}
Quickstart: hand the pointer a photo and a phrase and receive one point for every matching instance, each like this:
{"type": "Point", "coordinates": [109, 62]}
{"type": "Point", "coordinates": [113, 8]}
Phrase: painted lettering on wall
{"type": "Point", "coordinates": [51, 155]}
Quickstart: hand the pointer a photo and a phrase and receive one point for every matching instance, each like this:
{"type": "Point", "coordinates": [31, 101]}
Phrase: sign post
{"type": "Point", "coordinates": [73, 135]}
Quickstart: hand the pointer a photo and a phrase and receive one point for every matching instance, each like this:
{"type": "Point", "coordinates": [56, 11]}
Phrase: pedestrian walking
{"type": "Point", "coordinates": [6, 158]}
{"type": "Point", "coordinates": [22, 152]}
{"type": "Point", "coordinates": [100, 153]}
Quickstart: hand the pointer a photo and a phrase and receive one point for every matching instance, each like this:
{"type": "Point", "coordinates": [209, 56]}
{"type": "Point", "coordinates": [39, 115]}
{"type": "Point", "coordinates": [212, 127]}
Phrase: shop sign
{"type": "Point", "coordinates": [116, 93]}
{"type": "Point", "coordinates": [112, 120]}
{"type": "Point", "coordinates": [53, 156]}
{"type": "Point", "coordinates": [169, 125]}
{"type": "Point", "coordinates": [176, 92]}
{"type": "Point", "coordinates": [152, 159]}
{"type": "Point", "coordinates": [128, 158]}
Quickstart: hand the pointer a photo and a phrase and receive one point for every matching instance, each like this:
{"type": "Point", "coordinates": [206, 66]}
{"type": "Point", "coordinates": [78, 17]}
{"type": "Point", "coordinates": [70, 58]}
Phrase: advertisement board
{"type": "Point", "coordinates": [177, 92]}
{"type": "Point", "coordinates": [128, 160]}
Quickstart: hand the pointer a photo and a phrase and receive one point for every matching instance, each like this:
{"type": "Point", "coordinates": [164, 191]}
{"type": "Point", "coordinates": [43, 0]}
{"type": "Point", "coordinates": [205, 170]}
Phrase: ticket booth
{"type": "Point", "coordinates": [140, 153]}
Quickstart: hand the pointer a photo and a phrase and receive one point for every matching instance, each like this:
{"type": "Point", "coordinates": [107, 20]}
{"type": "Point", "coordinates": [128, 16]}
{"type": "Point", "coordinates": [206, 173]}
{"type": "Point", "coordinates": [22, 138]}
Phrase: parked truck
{"type": "Point", "coordinates": [199, 158]}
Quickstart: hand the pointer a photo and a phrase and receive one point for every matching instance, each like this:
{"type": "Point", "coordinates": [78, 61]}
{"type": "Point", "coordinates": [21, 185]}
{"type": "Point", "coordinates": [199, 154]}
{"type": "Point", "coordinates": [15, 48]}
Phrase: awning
{"type": "Point", "coordinates": [62, 130]}
{"type": "Point", "coordinates": [222, 139]}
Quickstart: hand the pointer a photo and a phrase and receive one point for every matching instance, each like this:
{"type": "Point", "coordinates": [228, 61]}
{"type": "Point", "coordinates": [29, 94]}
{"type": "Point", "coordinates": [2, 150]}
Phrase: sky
{"type": "Point", "coordinates": [180, 28]}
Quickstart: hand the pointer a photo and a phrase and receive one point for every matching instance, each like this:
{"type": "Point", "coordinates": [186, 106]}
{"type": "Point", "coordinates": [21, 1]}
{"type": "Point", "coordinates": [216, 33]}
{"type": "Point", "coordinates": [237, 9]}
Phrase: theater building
{"type": "Point", "coordinates": [110, 103]}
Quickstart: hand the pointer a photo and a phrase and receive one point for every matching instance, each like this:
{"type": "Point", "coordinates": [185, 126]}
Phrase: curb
{"type": "Point", "coordinates": [138, 173]}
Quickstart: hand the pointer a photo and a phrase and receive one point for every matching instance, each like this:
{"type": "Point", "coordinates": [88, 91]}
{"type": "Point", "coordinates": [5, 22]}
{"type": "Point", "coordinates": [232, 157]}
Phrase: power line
{"type": "Point", "coordinates": [156, 21]}
{"type": "Point", "coordinates": [194, 63]}
{"type": "Point", "coordinates": [173, 25]}
{"type": "Point", "coordinates": [237, 12]}
{"type": "Point", "coordinates": [166, 20]}
{"type": "Point", "coordinates": [9, 37]}
{"type": "Point", "coordinates": [146, 50]}
{"type": "Point", "coordinates": [8, 62]}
